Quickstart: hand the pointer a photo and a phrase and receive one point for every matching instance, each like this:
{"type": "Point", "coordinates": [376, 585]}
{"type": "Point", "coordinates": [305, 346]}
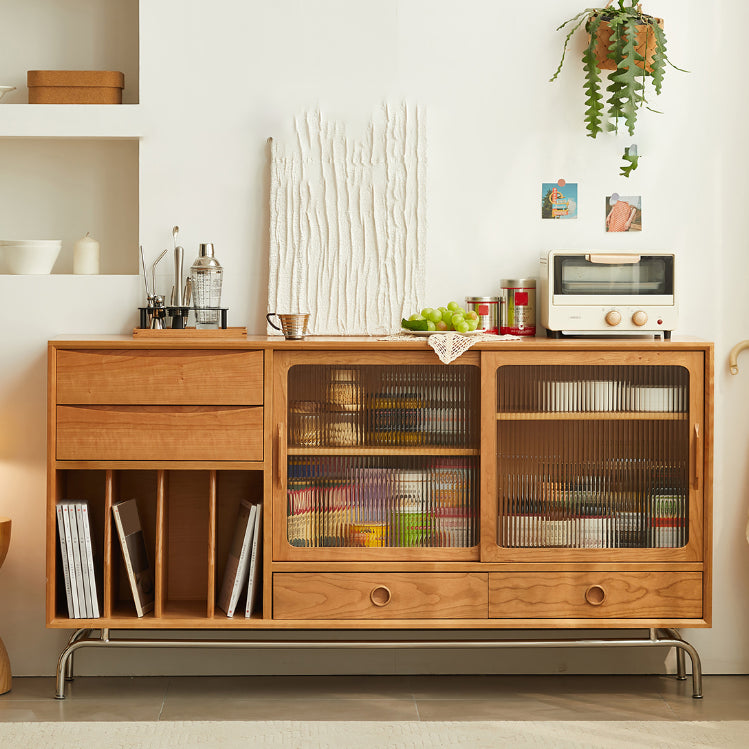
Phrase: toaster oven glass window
{"type": "Point", "coordinates": [649, 275]}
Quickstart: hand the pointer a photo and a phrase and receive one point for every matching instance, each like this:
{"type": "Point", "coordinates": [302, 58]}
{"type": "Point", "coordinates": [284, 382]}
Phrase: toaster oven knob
{"type": "Point", "coordinates": [613, 317]}
{"type": "Point", "coordinates": [640, 318]}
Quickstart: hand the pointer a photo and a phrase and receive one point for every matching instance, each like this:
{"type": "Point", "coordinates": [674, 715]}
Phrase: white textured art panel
{"type": "Point", "coordinates": [348, 223]}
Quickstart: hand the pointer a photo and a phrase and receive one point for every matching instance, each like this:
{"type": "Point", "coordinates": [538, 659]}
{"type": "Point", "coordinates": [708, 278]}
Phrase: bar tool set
{"type": "Point", "coordinates": [200, 292]}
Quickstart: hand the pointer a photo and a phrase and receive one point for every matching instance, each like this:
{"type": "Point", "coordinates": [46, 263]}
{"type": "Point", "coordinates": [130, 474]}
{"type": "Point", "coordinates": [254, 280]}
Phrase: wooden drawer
{"type": "Point", "coordinates": [159, 433]}
{"type": "Point", "coordinates": [179, 377]}
{"type": "Point", "coordinates": [380, 596]}
{"type": "Point", "coordinates": [595, 595]}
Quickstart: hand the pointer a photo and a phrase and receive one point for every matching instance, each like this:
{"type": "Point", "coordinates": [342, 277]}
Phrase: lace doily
{"type": "Point", "coordinates": [449, 346]}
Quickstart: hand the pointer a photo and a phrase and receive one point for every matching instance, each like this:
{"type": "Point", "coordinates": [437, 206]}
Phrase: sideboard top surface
{"type": "Point", "coordinates": [407, 343]}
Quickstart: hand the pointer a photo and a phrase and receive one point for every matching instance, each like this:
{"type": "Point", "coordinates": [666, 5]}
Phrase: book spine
{"type": "Point", "coordinates": [78, 514]}
{"type": "Point", "coordinates": [254, 563]}
{"type": "Point", "coordinates": [95, 613]}
{"type": "Point", "coordinates": [244, 561]}
{"type": "Point", "coordinates": [74, 586]}
{"type": "Point", "coordinates": [64, 558]}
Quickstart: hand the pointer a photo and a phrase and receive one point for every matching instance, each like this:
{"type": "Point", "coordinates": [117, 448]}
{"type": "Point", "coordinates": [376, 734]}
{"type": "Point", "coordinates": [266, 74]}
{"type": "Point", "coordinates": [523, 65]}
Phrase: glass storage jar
{"type": "Point", "coordinates": [305, 423]}
{"type": "Point", "coordinates": [344, 390]}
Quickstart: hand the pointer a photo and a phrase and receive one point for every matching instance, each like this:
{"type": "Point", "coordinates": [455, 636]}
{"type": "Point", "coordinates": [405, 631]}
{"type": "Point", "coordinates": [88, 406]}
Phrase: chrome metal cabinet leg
{"type": "Point", "coordinates": [681, 665]}
{"type": "Point", "coordinates": [656, 638]}
{"type": "Point", "coordinates": [77, 635]}
{"type": "Point", "coordinates": [78, 639]}
{"type": "Point", "coordinates": [696, 668]}
{"type": "Point", "coordinates": [682, 647]}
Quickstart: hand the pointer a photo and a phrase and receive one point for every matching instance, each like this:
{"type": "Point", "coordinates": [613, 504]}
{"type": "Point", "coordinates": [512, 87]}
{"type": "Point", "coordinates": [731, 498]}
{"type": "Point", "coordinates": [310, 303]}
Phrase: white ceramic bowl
{"type": "Point", "coordinates": [6, 90]}
{"type": "Point", "coordinates": [30, 256]}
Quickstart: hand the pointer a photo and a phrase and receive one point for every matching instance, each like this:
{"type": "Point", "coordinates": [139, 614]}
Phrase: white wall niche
{"type": "Point", "coordinates": [70, 35]}
{"type": "Point", "coordinates": [62, 188]}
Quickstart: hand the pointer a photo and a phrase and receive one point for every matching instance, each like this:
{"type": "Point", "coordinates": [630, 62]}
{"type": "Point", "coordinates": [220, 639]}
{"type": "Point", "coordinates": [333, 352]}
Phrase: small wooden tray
{"type": "Point", "coordinates": [190, 333]}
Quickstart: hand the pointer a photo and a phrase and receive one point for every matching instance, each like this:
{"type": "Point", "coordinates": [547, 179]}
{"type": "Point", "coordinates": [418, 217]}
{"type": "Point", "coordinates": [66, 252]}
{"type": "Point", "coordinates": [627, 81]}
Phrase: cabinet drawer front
{"type": "Point", "coordinates": [184, 377]}
{"type": "Point", "coordinates": [380, 596]}
{"type": "Point", "coordinates": [159, 433]}
{"type": "Point", "coordinates": [595, 595]}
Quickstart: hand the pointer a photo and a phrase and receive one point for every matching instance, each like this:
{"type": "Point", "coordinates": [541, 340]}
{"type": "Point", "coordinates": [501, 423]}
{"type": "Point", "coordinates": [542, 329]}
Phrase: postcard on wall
{"type": "Point", "coordinates": [623, 212]}
{"type": "Point", "coordinates": [559, 200]}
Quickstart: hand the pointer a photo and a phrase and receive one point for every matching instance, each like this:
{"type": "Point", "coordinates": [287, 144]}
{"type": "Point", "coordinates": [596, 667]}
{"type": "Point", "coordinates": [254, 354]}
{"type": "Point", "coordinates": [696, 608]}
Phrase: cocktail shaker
{"type": "Point", "coordinates": [206, 275]}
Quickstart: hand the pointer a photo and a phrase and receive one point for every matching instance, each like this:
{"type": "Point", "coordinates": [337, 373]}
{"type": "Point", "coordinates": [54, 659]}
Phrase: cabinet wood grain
{"type": "Point", "coordinates": [380, 596]}
{"type": "Point", "coordinates": [595, 595]}
{"type": "Point", "coordinates": [159, 433]}
{"type": "Point", "coordinates": [211, 378]}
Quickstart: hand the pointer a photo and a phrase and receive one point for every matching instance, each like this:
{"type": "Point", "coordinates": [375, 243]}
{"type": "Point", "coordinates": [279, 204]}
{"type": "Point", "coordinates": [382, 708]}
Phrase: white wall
{"type": "Point", "coordinates": [217, 79]}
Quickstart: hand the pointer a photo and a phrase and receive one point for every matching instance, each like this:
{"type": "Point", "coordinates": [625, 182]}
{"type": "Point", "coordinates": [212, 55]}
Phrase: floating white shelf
{"type": "Point", "coordinates": [71, 121]}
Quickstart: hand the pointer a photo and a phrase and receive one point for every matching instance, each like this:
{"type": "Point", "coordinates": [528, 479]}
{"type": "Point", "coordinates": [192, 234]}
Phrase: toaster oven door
{"type": "Point", "coordinates": [590, 278]}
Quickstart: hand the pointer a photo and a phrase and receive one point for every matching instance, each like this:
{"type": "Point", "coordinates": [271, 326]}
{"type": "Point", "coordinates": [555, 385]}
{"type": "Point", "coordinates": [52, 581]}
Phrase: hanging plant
{"type": "Point", "coordinates": [629, 43]}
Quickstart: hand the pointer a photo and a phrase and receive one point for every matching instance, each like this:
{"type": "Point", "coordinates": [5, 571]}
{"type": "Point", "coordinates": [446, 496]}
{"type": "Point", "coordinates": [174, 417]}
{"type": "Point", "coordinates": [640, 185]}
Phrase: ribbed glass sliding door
{"type": "Point", "coordinates": [593, 457]}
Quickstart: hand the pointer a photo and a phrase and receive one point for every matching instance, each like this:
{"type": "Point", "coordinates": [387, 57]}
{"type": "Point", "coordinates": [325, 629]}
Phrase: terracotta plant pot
{"type": "Point", "coordinates": [645, 46]}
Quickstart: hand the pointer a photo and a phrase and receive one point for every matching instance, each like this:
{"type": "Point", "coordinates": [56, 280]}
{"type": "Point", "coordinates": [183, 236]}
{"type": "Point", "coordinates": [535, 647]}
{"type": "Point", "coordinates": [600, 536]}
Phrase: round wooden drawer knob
{"type": "Point", "coordinates": [381, 595]}
{"type": "Point", "coordinates": [595, 595]}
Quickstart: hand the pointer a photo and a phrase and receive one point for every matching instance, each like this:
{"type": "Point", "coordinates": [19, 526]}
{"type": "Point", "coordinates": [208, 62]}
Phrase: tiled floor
{"type": "Point", "coordinates": [387, 698]}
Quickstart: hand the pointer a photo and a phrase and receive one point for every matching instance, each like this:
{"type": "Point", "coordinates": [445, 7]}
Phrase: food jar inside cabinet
{"type": "Point", "coordinates": [344, 390]}
{"type": "Point", "coordinates": [305, 424]}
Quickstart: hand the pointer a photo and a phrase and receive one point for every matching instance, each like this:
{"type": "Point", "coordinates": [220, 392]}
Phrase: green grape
{"type": "Point", "coordinates": [441, 325]}
{"type": "Point", "coordinates": [431, 325]}
{"type": "Point", "coordinates": [425, 312]}
{"type": "Point", "coordinates": [462, 327]}
{"type": "Point", "coordinates": [472, 324]}
{"type": "Point", "coordinates": [453, 306]}
{"type": "Point", "coordinates": [435, 316]}
{"type": "Point", "coordinates": [447, 317]}
{"type": "Point", "coordinates": [471, 315]}
{"type": "Point", "coordinates": [457, 318]}
{"type": "Point", "coordinates": [416, 316]}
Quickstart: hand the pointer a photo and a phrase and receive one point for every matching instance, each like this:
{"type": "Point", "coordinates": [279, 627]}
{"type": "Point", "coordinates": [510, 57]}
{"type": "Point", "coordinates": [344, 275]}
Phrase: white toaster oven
{"type": "Point", "coordinates": [613, 293]}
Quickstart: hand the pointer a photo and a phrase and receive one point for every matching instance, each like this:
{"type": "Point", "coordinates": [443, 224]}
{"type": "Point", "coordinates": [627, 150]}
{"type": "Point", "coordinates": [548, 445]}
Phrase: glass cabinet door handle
{"type": "Point", "coordinates": [282, 469]}
{"type": "Point", "coordinates": [697, 457]}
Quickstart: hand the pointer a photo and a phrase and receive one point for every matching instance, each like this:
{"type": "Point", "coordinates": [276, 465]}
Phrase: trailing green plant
{"type": "Point", "coordinates": [632, 45]}
{"type": "Point", "coordinates": [631, 161]}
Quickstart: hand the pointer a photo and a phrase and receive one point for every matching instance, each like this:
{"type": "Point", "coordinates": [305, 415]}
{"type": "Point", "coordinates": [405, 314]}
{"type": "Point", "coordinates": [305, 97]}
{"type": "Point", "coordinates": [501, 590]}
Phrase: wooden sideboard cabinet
{"type": "Point", "coordinates": [528, 485]}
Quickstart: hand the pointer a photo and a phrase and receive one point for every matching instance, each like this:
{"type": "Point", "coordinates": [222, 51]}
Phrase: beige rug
{"type": "Point", "coordinates": [350, 735]}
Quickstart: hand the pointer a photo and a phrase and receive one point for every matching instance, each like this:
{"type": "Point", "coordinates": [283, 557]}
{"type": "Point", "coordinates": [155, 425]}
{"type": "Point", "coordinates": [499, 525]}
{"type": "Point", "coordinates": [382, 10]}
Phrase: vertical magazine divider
{"type": "Point", "coordinates": [211, 593]}
{"type": "Point", "coordinates": [57, 579]}
{"type": "Point", "coordinates": [161, 543]}
{"type": "Point", "coordinates": [111, 495]}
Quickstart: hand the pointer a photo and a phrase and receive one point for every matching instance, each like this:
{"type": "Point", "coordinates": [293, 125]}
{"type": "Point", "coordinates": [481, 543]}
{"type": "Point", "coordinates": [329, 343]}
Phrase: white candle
{"type": "Point", "coordinates": [86, 256]}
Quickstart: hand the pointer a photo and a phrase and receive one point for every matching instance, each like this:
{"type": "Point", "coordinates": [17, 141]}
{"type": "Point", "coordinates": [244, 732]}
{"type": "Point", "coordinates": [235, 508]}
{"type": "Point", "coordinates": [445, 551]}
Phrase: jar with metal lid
{"type": "Point", "coordinates": [518, 306]}
{"type": "Point", "coordinates": [344, 390]}
{"type": "Point", "coordinates": [343, 429]}
{"type": "Point", "coordinates": [487, 308]}
{"type": "Point", "coordinates": [305, 423]}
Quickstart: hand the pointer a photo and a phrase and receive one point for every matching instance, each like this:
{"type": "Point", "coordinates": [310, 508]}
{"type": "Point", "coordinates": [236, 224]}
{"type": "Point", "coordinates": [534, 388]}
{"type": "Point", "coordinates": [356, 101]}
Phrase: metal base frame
{"type": "Point", "coordinates": [669, 638]}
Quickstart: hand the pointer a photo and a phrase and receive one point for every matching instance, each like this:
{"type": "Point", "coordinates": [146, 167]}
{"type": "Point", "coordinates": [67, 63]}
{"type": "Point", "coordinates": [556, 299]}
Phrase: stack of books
{"type": "Point", "coordinates": [77, 552]}
{"type": "Point", "coordinates": [243, 563]}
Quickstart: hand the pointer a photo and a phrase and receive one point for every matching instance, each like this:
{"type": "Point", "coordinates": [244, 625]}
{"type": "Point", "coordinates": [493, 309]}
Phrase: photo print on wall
{"type": "Point", "coordinates": [623, 212]}
{"type": "Point", "coordinates": [559, 199]}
